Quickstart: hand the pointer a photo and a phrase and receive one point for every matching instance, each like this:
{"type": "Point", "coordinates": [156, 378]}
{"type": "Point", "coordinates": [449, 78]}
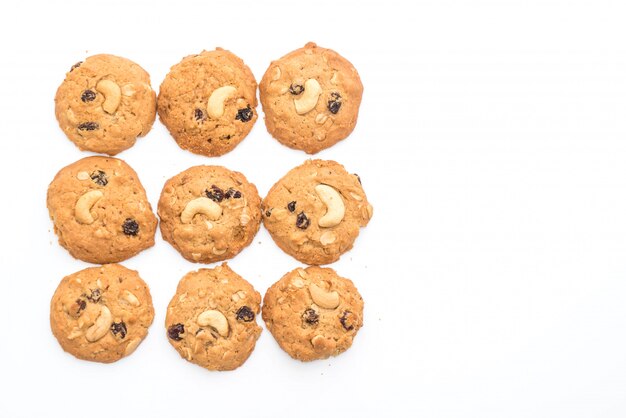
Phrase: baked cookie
{"type": "Point", "coordinates": [311, 98]}
{"type": "Point", "coordinates": [209, 213]}
{"type": "Point", "coordinates": [313, 313]}
{"type": "Point", "coordinates": [208, 102]}
{"type": "Point", "coordinates": [211, 320]}
{"type": "Point", "coordinates": [315, 211]}
{"type": "Point", "coordinates": [105, 103]}
{"type": "Point", "coordinates": [101, 313]}
{"type": "Point", "coordinates": [100, 210]}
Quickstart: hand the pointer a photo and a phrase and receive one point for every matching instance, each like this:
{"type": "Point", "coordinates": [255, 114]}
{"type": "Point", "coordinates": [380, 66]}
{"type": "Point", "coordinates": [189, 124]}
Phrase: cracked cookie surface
{"type": "Point", "coordinates": [315, 211]}
{"type": "Point", "coordinates": [100, 210]}
{"type": "Point", "coordinates": [313, 313]}
{"type": "Point", "coordinates": [311, 98]}
{"type": "Point", "coordinates": [209, 213]}
{"type": "Point", "coordinates": [105, 103]}
{"type": "Point", "coordinates": [208, 102]}
{"type": "Point", "coordinates": [101, 313]}
{"type": "Point", "coordinates": [211, 320]}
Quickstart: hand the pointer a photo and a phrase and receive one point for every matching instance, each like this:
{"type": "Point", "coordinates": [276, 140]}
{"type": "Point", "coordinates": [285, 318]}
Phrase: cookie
{"type": "Point", "coordinates": [105, 103]}
{"type": "Point", "coordinates": [101, 313]}
{"type": "Point", "coordinates": [100, 210]}
{"type": "Point", "coordinates": [209, 213]}
{"type": "Point", "coordinates": [208, 102]}
{"type": "Point", "coordinates": [211, 320]}
{"type": "Point", "coordinates": [313, 313]}
{"type": "Point", "coordinates": [311, 98]}
{"type": "Point", "coordinates": [315, 211]}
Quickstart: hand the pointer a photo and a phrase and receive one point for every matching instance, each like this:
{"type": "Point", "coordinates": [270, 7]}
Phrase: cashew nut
{"type": "Point", "coordinates": [307, 101]}
{"type": "Point", "coordinates": [76, 332]}
{"type": "Point", "coordinates": [128, 90]}
{"type": "Point", "coordinates": [219, 251]}
{"type": "Point", "coordinates": [214, 319]}
{"type": "Point", "coordinates": [202, 205]}
{"type": "Point", "coordinates": [215, 107]}
{"type": "Point", "coordinates": [335, 209]}
{"type": "Point", "coordinates": [324, 298]}
{"type": "Point", "coordinates": [112, 95]}
{"type": "Point", "coordinates": [244, 218]}
{"type": "Point", "coordinates": [328, 237]}
{"type": "Point", "coordinates": [101, 326]}
{"type": "Point", "coordinates": [132, 346]}
{"type": "Point", "coordinates": [237, 296]}
{"type": "Point", "coordinates": [130, 298]}
{"type": "Point", "coordinates": [82, 210]}
{"type": "Point", "coordinates": [321, 118]}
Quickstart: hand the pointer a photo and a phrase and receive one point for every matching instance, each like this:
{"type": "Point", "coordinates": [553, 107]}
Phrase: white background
{"type": "Point", "coordinates": [491, 142]}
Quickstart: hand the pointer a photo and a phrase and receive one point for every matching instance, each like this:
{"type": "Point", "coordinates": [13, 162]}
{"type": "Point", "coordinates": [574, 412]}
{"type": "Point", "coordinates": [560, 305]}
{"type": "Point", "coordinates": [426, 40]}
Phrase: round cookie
{"type": "Point", "coordinates": [311, 98]}
{"type": "Point", "coordinates": [208, 102]}
{"type": "Point", "coordinates": [101, 313]}
{"type": "Point", "coordinates": [313, 313]}
{"type": "Point", "coordinates": [315, 211]}
{"type": "Point", "coordinates": [211, 320]}
{"type": "Point", "coordinates": [100, 210]}
{"type": "Point", "coordinates": [105, 103]}
{"type": "Point", "coordinates": [209, 213]}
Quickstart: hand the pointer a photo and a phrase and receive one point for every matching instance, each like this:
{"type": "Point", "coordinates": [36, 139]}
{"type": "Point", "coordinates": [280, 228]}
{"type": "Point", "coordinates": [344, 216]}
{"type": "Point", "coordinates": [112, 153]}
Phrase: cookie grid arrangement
{"type": "Point", "coordinates": [101, 214]}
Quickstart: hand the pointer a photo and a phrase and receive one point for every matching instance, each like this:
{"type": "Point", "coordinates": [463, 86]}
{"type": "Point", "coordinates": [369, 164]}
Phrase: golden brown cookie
{"type": "Point", "coordinates": [208, 102]}
{"type": "Point", "coordinates": [315, 211]}
{"type": "Point", "coordinates": [105, 103]}
{"type": "Point", "coordinates": [311, 98]}
{"type": "Point", "coordinates": [211, 320]}
{"type": "Point", "coordinates": [313, 313]}
{"type": "Point", "coordinates": [101, 313]}
{"type": "Point", "coordinates": [100, 210]}
{"type": "Point", "coordinates": [209, 213]}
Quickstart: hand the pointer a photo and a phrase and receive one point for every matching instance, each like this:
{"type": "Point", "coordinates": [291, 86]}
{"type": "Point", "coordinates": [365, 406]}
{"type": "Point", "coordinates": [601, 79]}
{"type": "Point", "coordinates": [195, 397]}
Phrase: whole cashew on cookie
{"type": "Point", "coordinates": [308, 100]}
{"type": "Point", "coordinates": [82, 210]}
{"type": "Point", "coordinates": [335, 208]}
{"type": "Point", "coordinates": [112, 95]}
{"type": "Point", "coordinates": [202, 205]}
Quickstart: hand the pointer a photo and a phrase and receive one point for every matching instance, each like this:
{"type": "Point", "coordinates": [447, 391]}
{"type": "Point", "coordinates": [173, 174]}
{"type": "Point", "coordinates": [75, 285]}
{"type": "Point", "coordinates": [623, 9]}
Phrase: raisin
{"type": "Point", "coordinates": [81, 305]}
{"type": "Point", "coordinates": [88, 126]}
{"type": "Point", "coordinates": [216, 194]}
{"type": "Point", "coordinates": [199, 114]}
{"type": "Point", "coordinates": [245, 314]}
{"type": "Point", "coordinates": [88, 96]}
{"type": "Point", "coordinates": [95, 296]}
{"type": "Point", "coordinates": [235, 194]}
{"type": "Point", "coordinates": [310, 316]}
{"type": "Point", "coordinates": [99, 177]}
{"type": "Point", "coordinates": [119, 328]}
{"type": "Point", "coordinates": [302, 221]}
{"type": "Point", "coordinates": [358, 178]}
{"type": "Point", "coordinates": [175, 330]}
{"type": "Point", "coordinates": [244, 115]}
{"type": "Point", "coordinates": [130, 227]}
{"type": "Point", "coordinates": [347, 320]}
{"type": "Point", "coordinates": [296, 89]}
{"type": "Point", "coordinates": [75, 66]}
{"type": "Point", "coordinates": [334, 104]}
{"type": "Point", "coordinates": [291, 206]}
{"type": "Point", "coordinates": [268, 213]}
